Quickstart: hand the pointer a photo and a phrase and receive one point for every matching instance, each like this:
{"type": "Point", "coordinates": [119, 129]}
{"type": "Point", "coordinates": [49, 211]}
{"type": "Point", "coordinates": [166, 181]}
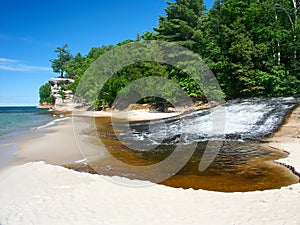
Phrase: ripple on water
{"type": "Point", "coordinates": [239, 165]}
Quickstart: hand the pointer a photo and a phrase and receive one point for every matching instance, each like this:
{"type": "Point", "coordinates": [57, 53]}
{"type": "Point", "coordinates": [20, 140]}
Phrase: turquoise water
{"type": "Point", "coordinates": [15, 121]}
{"type": "Point", "coordinates": [21, 122]}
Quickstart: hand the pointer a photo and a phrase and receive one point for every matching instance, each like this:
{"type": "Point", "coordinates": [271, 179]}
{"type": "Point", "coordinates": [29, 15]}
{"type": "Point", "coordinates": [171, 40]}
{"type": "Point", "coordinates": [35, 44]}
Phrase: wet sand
{"type": "Point", "coordinates": [287, 139]}
{"type": "Point", "coordinates": [57, 144]}
{"type": "Point", "coordinates": [39, 193]}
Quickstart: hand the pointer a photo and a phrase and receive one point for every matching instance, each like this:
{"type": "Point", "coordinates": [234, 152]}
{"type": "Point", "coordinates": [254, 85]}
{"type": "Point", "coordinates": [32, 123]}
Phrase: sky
{"type": "Point", "coordinates": [30, 31]}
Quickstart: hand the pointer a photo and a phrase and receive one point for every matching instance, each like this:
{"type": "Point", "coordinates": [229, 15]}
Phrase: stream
{"type": "Point", "coordinates": [218, 149]}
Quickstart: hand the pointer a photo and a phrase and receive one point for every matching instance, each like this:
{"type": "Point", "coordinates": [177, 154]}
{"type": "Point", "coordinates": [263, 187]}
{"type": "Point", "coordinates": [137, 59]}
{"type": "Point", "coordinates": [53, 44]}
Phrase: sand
{"type": "Point", "coordinates": [40, 193]}
{"type": "Point", "coordinates": [56, 145]}
{"type": "Point", "coordinates": [132, 115]}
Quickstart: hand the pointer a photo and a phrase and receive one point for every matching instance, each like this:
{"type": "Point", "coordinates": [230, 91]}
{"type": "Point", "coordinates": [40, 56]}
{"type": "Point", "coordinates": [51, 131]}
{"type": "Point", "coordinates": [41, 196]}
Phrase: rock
{"type": "Point", "coordinates": [68, 92]}
{"type": "Point", "coordinates": [45, 105]}
{"type": "Point", "coordinates": [58, 99]}
{"type": "Point", "coordinates": [57, 85]}
{"type": "Point", "coordinates": [144, 107]}
{"type": "Point", "coordinates": [159, 107]}
{"type": "Point", "coordinates": [60, 81]}
{"type": "Point", "coordinates": [171, 110]}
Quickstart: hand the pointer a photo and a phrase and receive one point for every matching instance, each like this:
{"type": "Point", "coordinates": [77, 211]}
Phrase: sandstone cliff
{"type": "Point", "coordinates": [63, 97]}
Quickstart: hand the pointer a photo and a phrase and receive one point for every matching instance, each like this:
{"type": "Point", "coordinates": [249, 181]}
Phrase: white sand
{"type": "Point", "coordinates": [56, 146]}
{"type": "Point", "coordinates": [132, 115]}
{"type": "Point", "coordinates": [38, 193]}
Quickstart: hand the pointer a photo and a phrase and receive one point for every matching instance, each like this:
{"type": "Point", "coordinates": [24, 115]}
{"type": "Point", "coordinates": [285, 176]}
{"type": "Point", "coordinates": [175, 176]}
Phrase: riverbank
{"type": "Point", "coordinates": [39, 193]}
{"type": "Point", "coordinates": [287, 138]}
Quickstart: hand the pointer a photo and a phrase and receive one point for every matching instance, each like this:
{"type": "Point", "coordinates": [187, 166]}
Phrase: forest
{"type": "Point", "coordinates": [251, 46]}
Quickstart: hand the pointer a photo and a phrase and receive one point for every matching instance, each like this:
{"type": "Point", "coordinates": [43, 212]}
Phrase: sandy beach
{"type": "Point", "coordinates": [46, 193]}
{"type": "Point", "coordinates": [57, 144]}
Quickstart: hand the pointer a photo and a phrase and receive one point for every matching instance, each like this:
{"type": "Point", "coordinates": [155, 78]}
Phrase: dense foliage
{"type": "Point", "coordinates": [251, 46]}
{"type": "Point", "coordinates": [45, 93]}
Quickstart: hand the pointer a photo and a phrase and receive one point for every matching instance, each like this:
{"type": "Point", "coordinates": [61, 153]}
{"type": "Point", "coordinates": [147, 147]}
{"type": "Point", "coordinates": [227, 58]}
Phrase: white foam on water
{"type": "Point", "coordinates": [237, 120]}
{"type": "Point", "coordinates": [52, 123]}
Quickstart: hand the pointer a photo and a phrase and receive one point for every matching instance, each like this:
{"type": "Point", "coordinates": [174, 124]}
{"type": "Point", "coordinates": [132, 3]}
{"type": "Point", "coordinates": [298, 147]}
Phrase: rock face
{"type": "Point", "coordinates": [63, 98]}
{"type": "Point", "coordinates": [45, 105]}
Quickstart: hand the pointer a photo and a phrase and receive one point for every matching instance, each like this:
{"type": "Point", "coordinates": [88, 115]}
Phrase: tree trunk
{"type": "Point", "coordinates": [295, 10]}
{"type": "Point", "coordinates": [278, 45]}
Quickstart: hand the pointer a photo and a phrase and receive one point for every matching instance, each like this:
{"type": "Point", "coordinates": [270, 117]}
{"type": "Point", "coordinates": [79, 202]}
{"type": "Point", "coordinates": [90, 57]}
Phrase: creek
{"type": "Point", "coordinates": [218, 149]}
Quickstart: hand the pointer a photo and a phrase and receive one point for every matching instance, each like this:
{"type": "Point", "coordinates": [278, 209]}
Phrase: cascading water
{"type": "Point", "coordinates": [235, 128]}
{"type": "Point", "coordinates": [237, 120]}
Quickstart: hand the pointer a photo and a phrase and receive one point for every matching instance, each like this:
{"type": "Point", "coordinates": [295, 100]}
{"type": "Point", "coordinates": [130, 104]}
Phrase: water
{"type": "Point", "coordinates": [237, 120]}
{"type": "Point", "coordinates": [15, 121]}
{"type": "Point", "coordinates": [235, 129]}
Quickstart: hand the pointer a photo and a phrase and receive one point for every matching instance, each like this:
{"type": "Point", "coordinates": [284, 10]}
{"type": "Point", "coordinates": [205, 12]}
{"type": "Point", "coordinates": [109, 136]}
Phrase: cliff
{"type": "Point", "coordinates": [63, 97]}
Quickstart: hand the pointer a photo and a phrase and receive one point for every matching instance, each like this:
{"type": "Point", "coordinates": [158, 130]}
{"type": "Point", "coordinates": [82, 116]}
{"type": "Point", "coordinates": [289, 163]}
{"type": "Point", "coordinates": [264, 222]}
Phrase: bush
{"type": "Point", "coordinates": [45, 94]}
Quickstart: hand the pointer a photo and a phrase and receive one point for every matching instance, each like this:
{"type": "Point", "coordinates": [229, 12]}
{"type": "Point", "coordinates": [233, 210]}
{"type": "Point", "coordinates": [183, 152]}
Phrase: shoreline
{"type": "Point", "coordinates": [287, 138]}
{"type": "Point", "coordinates": [27, 146]}
{"type": "Point", "coordinates": [40, 193]}
{"type": "Point", "coordinates": [54, 144]}
{"type": "Point", "coordinates": [38, 144]}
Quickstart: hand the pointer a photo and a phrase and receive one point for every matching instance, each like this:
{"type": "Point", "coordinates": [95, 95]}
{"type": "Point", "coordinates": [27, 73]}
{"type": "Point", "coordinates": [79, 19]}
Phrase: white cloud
{"type": "Point", "coordinates": [4, 60]}
{"type": "Point", "coordinates": [16, 65]}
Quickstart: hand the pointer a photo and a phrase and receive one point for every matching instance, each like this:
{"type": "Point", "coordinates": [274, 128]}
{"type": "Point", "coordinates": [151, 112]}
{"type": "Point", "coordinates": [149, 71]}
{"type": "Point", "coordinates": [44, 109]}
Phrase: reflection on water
{"type": "Point", "coordinates": [239, 166]}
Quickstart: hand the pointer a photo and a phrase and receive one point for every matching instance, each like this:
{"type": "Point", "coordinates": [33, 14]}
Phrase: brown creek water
{"type": "Point", "coordinates": [241, 163]}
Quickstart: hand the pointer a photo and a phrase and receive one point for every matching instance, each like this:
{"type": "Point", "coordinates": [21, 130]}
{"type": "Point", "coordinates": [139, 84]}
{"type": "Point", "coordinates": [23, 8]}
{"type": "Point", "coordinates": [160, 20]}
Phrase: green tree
{"type": "Point", "coordinates": [250, 46]}
{"type": "Point", "coordinates": [149, 36]}
{"type": "Point", "coordinates": [64, 56]}
{"type": "Point", "coordinates": [181, 23]}
{"type": "Point", "coordinates": [45, 93]}
{"type": "Point", "coordinates": [76, 66]}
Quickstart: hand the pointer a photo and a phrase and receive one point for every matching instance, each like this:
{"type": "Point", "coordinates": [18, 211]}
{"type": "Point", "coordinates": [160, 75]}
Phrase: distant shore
{"type": "Point", "coordinates": [39, 193]}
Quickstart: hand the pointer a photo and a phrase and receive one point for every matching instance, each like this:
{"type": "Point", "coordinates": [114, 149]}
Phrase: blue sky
{"type": "Point", "coordinates": [30, 31]}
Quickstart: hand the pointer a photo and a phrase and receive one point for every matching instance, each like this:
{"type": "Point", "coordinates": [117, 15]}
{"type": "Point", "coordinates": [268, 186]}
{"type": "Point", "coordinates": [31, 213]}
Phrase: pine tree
{"type": "Point", "coordinates": [64, 56]}
{"type": "Point", "coordinates": [181, 22]}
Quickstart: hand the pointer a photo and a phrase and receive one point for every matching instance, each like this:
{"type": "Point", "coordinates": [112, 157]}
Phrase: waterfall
{"type": "Point", "coordinates": [235, 120]}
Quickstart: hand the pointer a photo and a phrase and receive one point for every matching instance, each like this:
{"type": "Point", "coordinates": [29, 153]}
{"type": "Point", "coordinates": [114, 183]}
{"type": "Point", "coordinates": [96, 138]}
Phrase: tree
{"type": "Point", "coordinates": [181, 23]}
{"type": "Point", "coordinates": [149, 36]}
{"type": "Point", "coordinates": [251, 47]}
{"type": "Point", "coordinates": [45, 93]}
{"type": "Point", "coordinates": [58, 65]}
{"type": "Point", "coordinates": [76, 66]}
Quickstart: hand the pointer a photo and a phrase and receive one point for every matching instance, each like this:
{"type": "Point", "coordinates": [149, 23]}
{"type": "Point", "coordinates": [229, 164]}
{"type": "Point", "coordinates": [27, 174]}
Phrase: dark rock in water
{"type": "Point", "coordinates": [159, 107]}
{"type": "Point", "coordinates": [291, 168]}
{"type": "Point", "coordinates": [83, 168]}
